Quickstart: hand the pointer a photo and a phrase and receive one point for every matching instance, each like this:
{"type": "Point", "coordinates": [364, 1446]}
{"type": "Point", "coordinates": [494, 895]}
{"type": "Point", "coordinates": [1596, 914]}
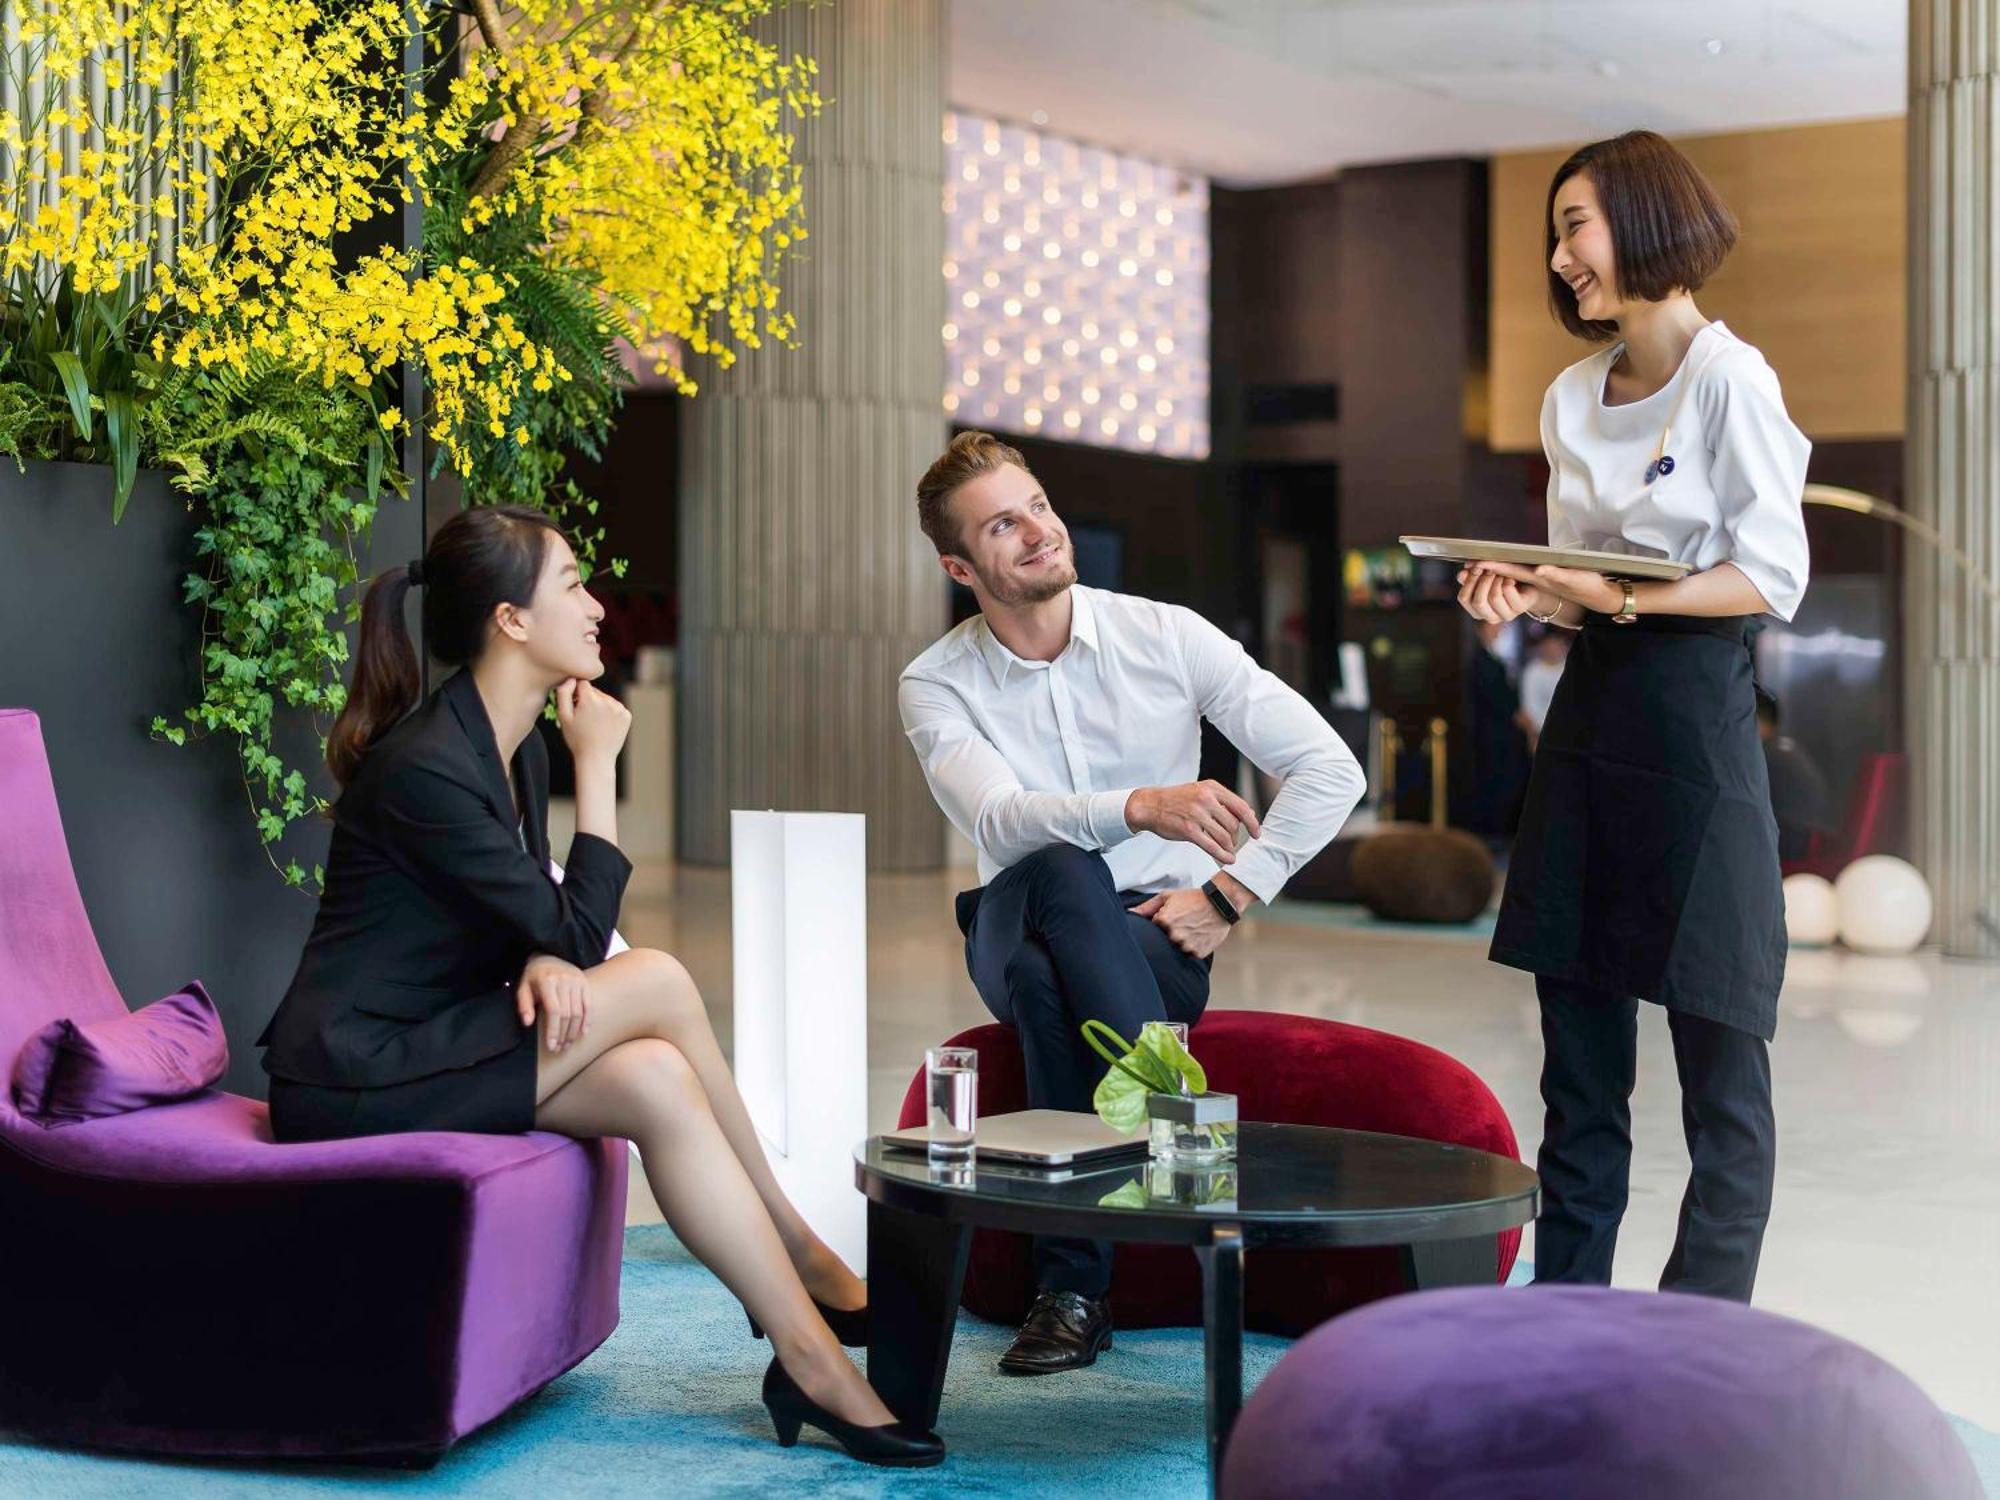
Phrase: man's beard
{"type": "Point", "coordinates": [1057, 576]}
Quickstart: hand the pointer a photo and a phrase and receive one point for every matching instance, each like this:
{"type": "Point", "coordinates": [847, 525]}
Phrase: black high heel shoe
{"type": "Point", "coordinates": [900, 1445]}
{"type": "Point", "coordinates": [849, 1325]}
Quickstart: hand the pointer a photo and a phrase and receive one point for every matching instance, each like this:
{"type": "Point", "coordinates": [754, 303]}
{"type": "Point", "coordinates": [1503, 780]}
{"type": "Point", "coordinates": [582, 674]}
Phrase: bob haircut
{"type": "Point", "coordinates": [1669, 231]}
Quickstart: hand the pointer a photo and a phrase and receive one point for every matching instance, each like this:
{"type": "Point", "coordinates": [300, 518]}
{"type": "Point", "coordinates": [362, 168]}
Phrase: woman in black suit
{"type": "Point", "coordinates": [442, 936]}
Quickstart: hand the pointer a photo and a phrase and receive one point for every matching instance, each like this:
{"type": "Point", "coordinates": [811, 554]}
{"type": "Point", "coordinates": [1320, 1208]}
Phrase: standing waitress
{"type": "Point", "coordinates": [1647, 862]}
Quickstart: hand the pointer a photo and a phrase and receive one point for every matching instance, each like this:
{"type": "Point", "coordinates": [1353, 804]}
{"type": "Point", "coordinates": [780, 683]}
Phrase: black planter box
{"type": "Point", "coordinates": [95, 639]}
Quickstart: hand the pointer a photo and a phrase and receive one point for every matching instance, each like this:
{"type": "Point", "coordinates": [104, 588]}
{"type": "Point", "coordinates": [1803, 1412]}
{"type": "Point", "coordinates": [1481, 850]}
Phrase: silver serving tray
{"type": "Point", "coordinates": [1610, 564]}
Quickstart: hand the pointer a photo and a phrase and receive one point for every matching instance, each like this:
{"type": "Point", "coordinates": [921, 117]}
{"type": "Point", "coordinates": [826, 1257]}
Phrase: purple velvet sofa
{"type": "Point", "coordinates": [177, 1283]}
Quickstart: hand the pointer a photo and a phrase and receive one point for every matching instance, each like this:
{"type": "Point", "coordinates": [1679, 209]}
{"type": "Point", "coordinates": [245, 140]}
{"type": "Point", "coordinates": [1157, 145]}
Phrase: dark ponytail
{"type": "Point", "coordinates": [480, 559]}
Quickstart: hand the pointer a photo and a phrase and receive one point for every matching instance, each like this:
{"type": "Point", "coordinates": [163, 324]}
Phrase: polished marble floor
{"type": "Point", "coordinates": [1887, 1073]}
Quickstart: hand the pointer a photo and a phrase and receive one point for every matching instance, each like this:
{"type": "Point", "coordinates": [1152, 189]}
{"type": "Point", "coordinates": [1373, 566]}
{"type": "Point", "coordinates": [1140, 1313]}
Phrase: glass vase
{"type": "Point", "coordinates": [1198, 1129]}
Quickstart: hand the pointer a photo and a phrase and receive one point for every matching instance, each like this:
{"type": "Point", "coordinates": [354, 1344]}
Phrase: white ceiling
{"type": "Point", "coordinates": [1254, 92]}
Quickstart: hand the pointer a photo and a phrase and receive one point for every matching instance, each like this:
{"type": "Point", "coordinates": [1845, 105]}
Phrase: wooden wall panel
{"type": "Point", "coordinates": [1816, 280]}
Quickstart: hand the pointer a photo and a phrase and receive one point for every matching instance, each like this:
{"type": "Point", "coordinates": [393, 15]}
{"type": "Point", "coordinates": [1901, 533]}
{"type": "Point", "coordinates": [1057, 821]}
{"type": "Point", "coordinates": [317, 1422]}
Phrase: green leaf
{"type": "Point", "coordinates": [1157, 1040]}
{"type": "Point", "coordinates": [121, 426]}
{"type": "Point", "coordinates": [113, 318]}
{"type": "Point", "coordinates": [70, 368]}
{"type": "Point", "coordinates": [1120, 1100]}
{"type": "Point", "coordinates": [1157, 1065]}
{"type": "Point", "coordinates": [1132, 1195]}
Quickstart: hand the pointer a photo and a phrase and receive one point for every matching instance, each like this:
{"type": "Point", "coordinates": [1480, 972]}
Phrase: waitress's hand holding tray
{"type": "Point", "coordinates": [1503, 580]}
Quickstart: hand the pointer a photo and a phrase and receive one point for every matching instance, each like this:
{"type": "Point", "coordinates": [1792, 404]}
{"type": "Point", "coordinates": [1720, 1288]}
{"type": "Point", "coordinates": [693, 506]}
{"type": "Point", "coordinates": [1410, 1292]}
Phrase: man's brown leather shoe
{"type": "Point", "coordinates": [1063, 1331]}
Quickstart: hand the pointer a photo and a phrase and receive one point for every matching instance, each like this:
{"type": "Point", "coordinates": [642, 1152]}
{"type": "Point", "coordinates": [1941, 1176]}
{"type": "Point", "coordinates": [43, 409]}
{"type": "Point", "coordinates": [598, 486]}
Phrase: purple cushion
{"type": "Point", "coordinates": [1576, 1393]}
{"type": "Point", "coordinates": [68, 1073]}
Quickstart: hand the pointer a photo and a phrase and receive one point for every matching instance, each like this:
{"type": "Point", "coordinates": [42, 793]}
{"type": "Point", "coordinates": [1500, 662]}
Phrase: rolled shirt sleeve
{"type": "Point", "coordinates": [1286, 738]}
{"type": "Point", "coordinates": [1759, 476]}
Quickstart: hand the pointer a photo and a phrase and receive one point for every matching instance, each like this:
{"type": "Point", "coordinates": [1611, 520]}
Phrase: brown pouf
{"type": "Point", "coordinates": [1424, 875]}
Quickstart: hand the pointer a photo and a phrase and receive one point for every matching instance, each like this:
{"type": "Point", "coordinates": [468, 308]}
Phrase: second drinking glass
{"type": "Point", "coordinates": [951, 1080]}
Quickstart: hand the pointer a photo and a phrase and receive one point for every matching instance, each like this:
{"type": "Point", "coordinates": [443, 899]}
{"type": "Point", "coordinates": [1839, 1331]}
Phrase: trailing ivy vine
{"type": "Point", "coordinates": [289, 478]}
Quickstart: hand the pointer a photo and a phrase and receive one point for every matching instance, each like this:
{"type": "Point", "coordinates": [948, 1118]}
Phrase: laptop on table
{"type": "Point", "coordinates": [1038, 1138]}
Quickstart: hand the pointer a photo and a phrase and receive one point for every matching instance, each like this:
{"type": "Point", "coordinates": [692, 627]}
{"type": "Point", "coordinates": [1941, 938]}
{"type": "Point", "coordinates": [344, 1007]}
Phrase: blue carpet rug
{"type": "Point", "coordinates": [669, 1405]}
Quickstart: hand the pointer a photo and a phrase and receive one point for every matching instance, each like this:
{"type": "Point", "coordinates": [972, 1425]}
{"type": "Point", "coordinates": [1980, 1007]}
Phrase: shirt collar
{"type": "Point", "coordinates": [1082, 631]}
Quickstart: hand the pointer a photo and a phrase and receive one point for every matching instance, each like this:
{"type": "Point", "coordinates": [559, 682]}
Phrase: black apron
{"type": "Point", "coordinates": [1647, 858]}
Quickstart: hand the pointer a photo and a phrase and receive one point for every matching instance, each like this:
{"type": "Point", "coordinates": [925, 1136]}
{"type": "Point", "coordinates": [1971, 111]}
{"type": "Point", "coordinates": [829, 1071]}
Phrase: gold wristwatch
{"type": "Point", "coordinates": [1629, 611]}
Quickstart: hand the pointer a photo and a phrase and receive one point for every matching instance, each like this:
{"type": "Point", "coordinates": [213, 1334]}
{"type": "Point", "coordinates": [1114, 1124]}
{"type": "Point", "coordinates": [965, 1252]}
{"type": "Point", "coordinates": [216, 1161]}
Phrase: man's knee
{"type": "Point", "coordinates": [1063, 874]}
{"type": "Point", "coordinates": [1030, 975]}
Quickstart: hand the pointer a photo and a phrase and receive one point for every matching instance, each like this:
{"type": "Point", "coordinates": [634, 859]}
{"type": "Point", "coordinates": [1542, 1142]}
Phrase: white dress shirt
{"type": "Point", "coordinates": [1025, 754]}
{"type": "Point", "coordinates": [1739, 467]}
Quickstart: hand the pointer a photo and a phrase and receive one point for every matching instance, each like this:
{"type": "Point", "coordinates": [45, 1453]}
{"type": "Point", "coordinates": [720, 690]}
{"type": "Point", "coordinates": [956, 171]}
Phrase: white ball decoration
{"type": "Point", "coordinates": [1812, 912]}
{"type": "Point", "coordinates": [1885, 906]}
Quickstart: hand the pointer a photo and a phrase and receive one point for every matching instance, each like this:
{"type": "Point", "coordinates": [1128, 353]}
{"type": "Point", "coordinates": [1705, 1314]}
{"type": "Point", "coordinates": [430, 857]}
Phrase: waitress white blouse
{"type": "Point", "coordinates": [1731, 491]}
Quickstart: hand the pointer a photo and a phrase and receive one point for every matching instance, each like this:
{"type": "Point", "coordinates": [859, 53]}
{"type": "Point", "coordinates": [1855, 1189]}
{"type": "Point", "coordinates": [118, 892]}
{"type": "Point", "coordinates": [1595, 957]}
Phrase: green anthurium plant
{"type": "Point", "coordinates": [1156, 1064]}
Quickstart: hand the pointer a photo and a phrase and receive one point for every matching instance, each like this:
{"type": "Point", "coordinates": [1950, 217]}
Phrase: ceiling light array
{"type": "Point", "coordinates": [1077, 291]}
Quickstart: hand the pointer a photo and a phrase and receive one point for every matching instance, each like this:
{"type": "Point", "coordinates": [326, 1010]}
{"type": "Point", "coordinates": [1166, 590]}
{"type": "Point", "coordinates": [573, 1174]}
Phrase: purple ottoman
{"type": "Point", "coordinates": [176, 1283]}
{"type": "Point", "coordinates": [1579, 1393]}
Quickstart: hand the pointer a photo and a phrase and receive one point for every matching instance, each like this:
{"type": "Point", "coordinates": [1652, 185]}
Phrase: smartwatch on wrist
{"type": "Point", "coordinates": [1224, 907]}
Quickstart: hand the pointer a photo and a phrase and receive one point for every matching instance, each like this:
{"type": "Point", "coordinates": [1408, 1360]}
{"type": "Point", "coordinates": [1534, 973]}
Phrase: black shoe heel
{"type": "Point", "coordinates": [896, 1446]}
{"type": "Point", "coordinates": [849, 1325]}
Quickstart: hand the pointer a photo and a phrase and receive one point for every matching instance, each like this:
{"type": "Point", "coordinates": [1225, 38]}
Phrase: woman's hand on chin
{"type": "Point", "coordinates": [560, 991]}
{"type": "Point", "coordinates": [594, 724]}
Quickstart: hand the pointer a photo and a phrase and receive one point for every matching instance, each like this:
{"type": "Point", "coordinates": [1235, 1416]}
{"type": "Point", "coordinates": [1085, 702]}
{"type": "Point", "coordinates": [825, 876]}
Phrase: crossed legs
{"type": "Point", "coordinates": [1051, 944]}
{"type": "Point", "coordinates": [649, 1070]}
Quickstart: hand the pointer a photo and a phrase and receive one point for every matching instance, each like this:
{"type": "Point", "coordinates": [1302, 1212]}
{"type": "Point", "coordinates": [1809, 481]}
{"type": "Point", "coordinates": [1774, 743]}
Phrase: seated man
{"type": "Point", "coordinates": [1060, 731]}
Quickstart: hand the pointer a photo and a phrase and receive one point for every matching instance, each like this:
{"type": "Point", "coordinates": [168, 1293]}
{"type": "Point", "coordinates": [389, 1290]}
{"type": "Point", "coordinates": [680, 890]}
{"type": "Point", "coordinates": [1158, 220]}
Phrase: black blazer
{"type": "Point", "coordinates": [432, 906]}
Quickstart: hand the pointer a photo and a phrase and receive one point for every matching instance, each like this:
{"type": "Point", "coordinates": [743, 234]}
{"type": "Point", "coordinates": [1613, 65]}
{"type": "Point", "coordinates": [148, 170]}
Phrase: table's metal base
{"type": "Point", "coordinates": [1222, 1339]}
{"type": "Point", "coordinates": [916, 1273]}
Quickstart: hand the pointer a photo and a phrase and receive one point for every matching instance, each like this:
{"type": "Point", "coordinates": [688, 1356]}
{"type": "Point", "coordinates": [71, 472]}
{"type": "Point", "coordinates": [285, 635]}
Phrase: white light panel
{"type": "Point", "coordinates": [1077, 291]}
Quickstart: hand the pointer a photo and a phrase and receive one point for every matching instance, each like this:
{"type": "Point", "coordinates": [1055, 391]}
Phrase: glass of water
{"type": "Point", "coordinates": [951, 1081]}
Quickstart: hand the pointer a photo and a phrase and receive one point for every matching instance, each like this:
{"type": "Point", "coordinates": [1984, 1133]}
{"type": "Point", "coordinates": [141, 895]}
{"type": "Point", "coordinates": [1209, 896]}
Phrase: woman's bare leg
{"type": "Point", "coordinates": [646, 1091]}
{"type": "Point", "coordinates": [646, 993]}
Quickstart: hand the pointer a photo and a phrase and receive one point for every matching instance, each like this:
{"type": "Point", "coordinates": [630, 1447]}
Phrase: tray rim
{"type": "Point", "coordinates": [1610, 564]}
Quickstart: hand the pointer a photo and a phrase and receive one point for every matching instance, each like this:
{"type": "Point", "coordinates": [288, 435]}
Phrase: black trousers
{"type": "Point", "coordinates": [1050, 943]}
{"type": "Point", "coordinates": [1589, 1040]}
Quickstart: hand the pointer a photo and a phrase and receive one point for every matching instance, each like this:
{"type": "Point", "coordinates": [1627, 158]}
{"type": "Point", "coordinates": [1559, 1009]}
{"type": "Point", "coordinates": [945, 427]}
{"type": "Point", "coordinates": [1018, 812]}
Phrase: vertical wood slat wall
{"type": "Point", "coordinates": [805, 584]}
{"type": "Point", "coordinates": [1953, 462]}
{"type": "Point", "coordinates": [161, 220]}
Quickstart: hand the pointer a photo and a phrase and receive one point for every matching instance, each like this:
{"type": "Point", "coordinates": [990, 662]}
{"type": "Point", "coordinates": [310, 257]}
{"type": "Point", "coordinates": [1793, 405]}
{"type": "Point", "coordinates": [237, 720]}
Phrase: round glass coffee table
{"type": "Point", "coordinates": [1293, 1185]}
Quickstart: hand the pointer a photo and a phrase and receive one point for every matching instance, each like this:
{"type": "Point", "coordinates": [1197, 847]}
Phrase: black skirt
{"type": "Point", "coordinates": [1647, 858]}
{"type": "Point", "coordinates": [495, 1096]}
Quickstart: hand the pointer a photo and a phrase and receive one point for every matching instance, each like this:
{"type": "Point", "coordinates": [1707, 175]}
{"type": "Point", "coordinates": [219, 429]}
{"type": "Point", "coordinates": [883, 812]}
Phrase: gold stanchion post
{"type": "Point", "coordinates": [1389, 745]}
{"type": "Point", "coordinates": [1437, 740]}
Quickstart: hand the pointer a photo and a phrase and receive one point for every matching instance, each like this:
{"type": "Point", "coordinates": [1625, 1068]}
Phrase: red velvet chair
{"type": "Point", "coordinates": [1294, 1070]}
{"type": "Point", "coordinates": [1874, 818]}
